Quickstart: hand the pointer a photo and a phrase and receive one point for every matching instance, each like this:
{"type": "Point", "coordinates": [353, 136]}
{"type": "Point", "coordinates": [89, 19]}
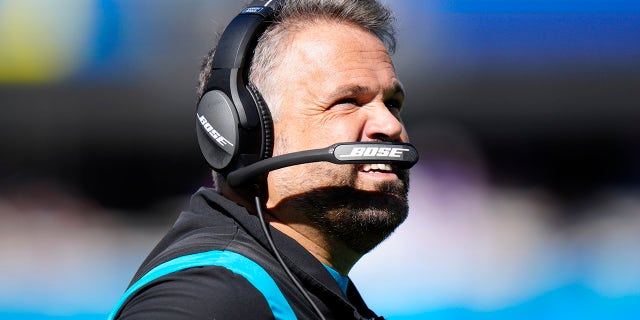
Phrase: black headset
{"type": "Point", "coordinates": [234, 125]}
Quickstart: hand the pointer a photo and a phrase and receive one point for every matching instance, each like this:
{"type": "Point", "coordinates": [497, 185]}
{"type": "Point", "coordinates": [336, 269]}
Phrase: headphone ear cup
{"type": "Point", "coordinates": [266, 122]}
{"type": "Point", "coordinates": [217, 130]}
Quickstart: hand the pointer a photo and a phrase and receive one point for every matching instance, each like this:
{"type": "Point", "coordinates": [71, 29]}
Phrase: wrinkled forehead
{"type": "Point", "coordinates": [293, 29]}
{"type": "Point", "coordinates": [334, 43]}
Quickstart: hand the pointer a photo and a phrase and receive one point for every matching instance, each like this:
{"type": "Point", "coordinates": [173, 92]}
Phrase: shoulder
{"type": "Point", "coordinates": [198, 293]}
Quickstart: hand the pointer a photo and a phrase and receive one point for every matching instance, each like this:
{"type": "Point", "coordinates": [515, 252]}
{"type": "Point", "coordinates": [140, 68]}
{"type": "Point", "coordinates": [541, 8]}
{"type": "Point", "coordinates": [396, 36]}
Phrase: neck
{"type": "Point", "coordinates": [327, 251]}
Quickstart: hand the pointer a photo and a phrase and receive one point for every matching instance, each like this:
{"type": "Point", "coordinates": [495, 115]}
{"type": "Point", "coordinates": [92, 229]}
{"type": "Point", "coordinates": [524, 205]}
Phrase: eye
{"type": "Point", "coordinates": [351, 101]}
{"type": "Point", "coordinates": [394, 105]}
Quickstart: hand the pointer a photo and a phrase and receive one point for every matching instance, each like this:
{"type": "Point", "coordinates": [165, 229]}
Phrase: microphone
{"type": "Point", "coordinates": [402, 155]}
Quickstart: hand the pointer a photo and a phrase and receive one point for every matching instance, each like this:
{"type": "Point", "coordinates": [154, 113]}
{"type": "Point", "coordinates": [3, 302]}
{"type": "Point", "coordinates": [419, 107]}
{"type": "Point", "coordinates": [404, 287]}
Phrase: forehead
{"type": "Point", "coordinates": [327, 50]}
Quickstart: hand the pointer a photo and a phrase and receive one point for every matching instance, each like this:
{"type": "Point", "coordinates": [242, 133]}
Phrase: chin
{"type": "Point", "coordinates": [358, 219]}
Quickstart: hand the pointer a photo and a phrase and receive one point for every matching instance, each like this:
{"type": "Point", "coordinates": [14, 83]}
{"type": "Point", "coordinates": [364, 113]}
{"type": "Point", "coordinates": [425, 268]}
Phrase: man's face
{"type": "Point", "coordinates": [338, 84]}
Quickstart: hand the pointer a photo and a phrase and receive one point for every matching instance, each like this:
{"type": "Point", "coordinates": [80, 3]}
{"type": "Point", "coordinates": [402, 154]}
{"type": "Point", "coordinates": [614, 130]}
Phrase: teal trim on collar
{"type": "Point", "coordinates": [343, 281]}
{"type": "Point", "coordinates": [235, 262]}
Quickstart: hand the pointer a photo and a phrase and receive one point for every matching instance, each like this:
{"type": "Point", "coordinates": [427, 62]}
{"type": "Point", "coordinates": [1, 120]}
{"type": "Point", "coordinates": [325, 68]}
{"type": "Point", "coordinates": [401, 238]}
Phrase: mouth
{"type": "Point", "coordinates": [379, 171]}
{"type": "Point", "coordinates": [376, 167]}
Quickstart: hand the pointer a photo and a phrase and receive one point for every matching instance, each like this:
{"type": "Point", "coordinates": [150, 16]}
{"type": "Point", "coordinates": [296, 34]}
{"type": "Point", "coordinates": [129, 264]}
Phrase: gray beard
{"type": "Point", "coordinates": [358, 219]}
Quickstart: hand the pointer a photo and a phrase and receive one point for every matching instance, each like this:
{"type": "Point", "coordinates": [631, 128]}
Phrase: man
{"type": "Point", "coordinates": [324, 70]}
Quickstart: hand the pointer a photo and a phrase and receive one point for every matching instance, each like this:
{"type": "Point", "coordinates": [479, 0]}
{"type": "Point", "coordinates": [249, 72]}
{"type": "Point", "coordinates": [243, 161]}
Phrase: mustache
{"type": "Point", "coordinates": [387, 194]}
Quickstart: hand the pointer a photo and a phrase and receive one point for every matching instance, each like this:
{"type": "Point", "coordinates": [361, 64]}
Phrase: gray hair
{"type": "Point", "coordinates": [292, 16]}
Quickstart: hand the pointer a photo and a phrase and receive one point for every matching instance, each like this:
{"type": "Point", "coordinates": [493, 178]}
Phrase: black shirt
{"type": "Point", "coordinates": [215, 292]}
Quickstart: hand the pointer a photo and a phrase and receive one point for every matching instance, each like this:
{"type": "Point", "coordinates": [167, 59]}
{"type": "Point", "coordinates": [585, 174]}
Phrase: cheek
{"type": "Point", "coordinates": [342, 129]}
{"type": "Point", "coordinates": [303, 133]}
{"type": "Point", "coordinates": [292, 136]}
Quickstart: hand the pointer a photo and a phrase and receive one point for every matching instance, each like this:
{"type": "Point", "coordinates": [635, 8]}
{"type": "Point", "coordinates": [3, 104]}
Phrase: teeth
{"type": "Point", "coordinates": [376, 166]}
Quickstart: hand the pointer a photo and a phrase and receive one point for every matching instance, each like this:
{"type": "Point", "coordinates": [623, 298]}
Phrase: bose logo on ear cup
{"type": "Point", "coordinates": [222, 141]}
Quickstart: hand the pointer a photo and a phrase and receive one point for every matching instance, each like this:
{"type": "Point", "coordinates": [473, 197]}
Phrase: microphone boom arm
{"type": "Point", "coordinates": [403, 155]}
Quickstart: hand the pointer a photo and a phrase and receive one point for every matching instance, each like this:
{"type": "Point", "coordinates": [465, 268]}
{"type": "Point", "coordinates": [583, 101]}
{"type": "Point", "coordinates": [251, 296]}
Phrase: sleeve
{"type": "Point", "coordinates": [198, 293]}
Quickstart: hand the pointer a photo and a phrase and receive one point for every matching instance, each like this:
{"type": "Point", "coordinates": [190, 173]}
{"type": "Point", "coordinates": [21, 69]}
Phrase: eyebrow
{"type": "Point", "coordinates": [397, 88]}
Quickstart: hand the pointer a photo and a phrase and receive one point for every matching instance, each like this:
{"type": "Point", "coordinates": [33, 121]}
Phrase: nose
{"type": "Point", "coordinates": [384, 124]}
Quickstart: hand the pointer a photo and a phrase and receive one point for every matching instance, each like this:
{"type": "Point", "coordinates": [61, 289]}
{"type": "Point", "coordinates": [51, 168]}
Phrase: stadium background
{"type": "Point", "coordinates": [525, 205]}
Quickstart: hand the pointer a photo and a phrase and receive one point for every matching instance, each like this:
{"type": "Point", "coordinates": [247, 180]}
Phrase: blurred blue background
{"type": "Point", "coordinates": [525, 205]}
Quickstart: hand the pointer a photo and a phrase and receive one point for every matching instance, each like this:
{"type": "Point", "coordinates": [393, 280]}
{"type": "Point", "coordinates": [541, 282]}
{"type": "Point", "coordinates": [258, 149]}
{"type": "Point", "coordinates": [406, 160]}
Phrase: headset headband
{"type": "Point", "coordinates": [234, 126]}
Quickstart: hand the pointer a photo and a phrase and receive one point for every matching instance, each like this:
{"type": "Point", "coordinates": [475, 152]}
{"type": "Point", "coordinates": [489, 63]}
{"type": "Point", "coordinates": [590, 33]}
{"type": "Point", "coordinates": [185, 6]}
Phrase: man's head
{"type": "Point", "coordinates": [324, 69]}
